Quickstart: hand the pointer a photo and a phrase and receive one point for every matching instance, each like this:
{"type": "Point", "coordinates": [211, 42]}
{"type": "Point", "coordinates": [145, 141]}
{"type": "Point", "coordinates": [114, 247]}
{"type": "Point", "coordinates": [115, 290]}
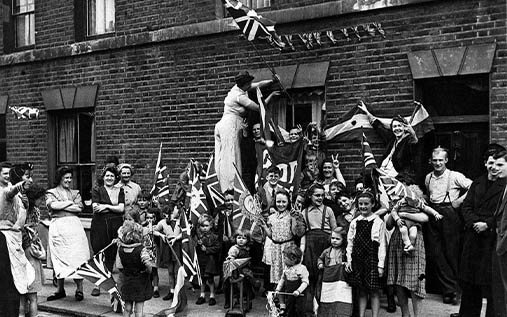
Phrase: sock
{"type": "Point", "coordinates": [211, 295]}
{"type": "Point", "coordinates": [203, 294]}
{"type": "Point", "coordinates": [172, 290]}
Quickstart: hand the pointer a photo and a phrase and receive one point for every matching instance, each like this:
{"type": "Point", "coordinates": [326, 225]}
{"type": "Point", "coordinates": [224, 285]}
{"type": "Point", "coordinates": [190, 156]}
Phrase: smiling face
{"type": "Point", "coordinates": [294, 135]}
{"type": "Point", "coordinates": [327, 170]}
{"type": "Point", "coordinates": [66, 180]}
{"type": "Point", "coordinates": [345, 203]}
{"type": "Point", "coordinates": [398, 129]}
{"type": "Point", "coordinates": [499, 169]}
{"type": "Point", "coordinates": [317, 197]}
{"type": "Point", "coordinates": [4, 176]}
{"type": "Point", "coordinates": [365, 205]}
{"type": "Point", "coordinates": [109, 179]}
{"type": "Point", "coordinates": [333, 190]}
{"type": "Point", "coordinates": [438, 161]}
{"type": "Point", "coordinates": [273, 178]}
{"type": "Point", "coordinates": [126, 173]}
{"type": "Point", "coordinates": [282, 202]}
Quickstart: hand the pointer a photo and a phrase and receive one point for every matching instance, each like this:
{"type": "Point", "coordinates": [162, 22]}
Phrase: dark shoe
{"type": "Point", "coordinates": [56, 296]}
{"type": "Point", "coordinates": [391, 305]}
{"type": "Point", "coordinates": [200, 301]}
{"type": "Point", "coordinates": [212, 301]}
{"type": "Point", "coordinates": [96, 292]}
{"type": "Point", "coordinates": [450, 299]}
{"type": "Point", "coordinates": [79, 296]}
{"type": "Point", "coordinates": [168, 296]}
{"type": "Point", "coordinates": [156, 294]}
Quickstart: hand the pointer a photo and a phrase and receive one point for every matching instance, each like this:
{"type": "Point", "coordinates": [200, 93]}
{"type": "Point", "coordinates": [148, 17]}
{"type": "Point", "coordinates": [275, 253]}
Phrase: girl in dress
{"type": "Point", "coordinates": [137, 263]}
{"type": "Point", "coordinates": [208, 248]}
{"type": "Point", "coordinates": [366, 252]}
{"type": "Point", "coordinates": [169, 231]}
{"type": "Point", "coordinates": [335, 294]}
{"type": "Point", "coordinates": [279, 228]}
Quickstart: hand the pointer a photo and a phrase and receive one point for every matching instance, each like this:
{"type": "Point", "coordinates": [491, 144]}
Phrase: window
{"type": "Point", "coordinates": [74, 133]}
{"type": "Point", "coordinates": [258, 4]}
{"type": "Point", "coordinates": [23, 12]}
{"type": "Point", "coordinates": [100, 17]}
{"type": "Point", "coordinates": [3, 138]}
{"type": "Point", "coordinates": [304, 107]}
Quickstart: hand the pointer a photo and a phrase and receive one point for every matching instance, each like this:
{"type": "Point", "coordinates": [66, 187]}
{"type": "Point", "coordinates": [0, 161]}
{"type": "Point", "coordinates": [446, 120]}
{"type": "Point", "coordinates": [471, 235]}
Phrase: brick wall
{"type": "Point", "coordinates": [173, 91]}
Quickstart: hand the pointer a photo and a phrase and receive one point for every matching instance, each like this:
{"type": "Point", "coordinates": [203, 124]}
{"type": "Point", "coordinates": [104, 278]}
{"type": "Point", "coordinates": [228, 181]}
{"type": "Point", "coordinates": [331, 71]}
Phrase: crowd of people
{"type": "Point", "coordinates": [328, 249]}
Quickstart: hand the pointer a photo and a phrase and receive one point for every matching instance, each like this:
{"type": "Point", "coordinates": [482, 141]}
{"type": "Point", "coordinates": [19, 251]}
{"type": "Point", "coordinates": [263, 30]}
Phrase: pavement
{"type": "Point", "coordinates": [99, 306]}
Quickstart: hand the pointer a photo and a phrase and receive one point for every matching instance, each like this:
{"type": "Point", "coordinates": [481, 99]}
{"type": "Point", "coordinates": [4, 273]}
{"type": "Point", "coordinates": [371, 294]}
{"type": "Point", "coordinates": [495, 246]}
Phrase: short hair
{"type": "Point", "coordinates": [406, 178]}
{"type": "Point", "coordinates": [342, 232]}
{"type": "Point", "coordinates": [501, 154]}
{"type": "Point", "coordinates": [134, 214]}
{"type": "Point", "coordinates": [337, 184]}
{"type": "Point", "coordinates": [17, 171]}
{"type": "Point", "coordinates": [283, 192]}
{"type": "Point", "coordinates": [155, 211]}
{"type": "Point", "coordinates": [145, 194]}
{"type": "Point", "coordinates": [60, 173]}
{"type": "Point", "coordinates": [244, 233]}
{"type": "Point", "coordinates": [293, 253]}
{"type": "Point", "coordinates": [5, 165]}
{"type": "Point", "coordinates": [131, 232]}
{"type": "Point", "coordinates": [110, 169]}
{"type": "Point", "coordinates": [274, 169]}
{"type": "Point", "coordinates": [205, 217]}
{"type": "Point", "coordinates": [112, 159]}
{"type": "Point", "coordinates": [35, 192]}
{"type": "Point", "coordinates": [440, 149]}
{"type": "Point", "coordinates": [366, 194]}
{"type": "Point", "coordinates": [399, 119]}
{"type": "Point", "coordinates": [491, 150]}
{"type": "Point", "coordinates": [344, 193]}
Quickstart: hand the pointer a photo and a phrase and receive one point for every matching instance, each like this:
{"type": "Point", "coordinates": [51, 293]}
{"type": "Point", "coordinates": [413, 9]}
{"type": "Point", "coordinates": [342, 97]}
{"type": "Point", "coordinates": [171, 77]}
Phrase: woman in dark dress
{"type": "Point", "coordinates": [108, 204]}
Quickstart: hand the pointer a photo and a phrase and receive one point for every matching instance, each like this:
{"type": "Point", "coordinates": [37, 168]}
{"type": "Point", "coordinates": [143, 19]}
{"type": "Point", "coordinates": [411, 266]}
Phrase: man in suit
{"type": "Point", "coordinates": [500, 167]}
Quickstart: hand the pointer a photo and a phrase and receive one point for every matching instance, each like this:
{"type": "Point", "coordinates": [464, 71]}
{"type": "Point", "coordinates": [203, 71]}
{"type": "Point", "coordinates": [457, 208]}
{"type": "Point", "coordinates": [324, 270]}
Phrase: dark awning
{"type": "Point", "coordinates": [464, 60]}
{"type": "Point", "coordinates": [70, 98]}
{"type": "Point", "coordinates": [296, 76]}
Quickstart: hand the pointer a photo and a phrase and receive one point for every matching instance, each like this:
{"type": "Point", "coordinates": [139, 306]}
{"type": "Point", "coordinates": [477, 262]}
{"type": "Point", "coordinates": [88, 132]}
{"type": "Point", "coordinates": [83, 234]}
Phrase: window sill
{"type": "Point", "coordinates": [100, 36]}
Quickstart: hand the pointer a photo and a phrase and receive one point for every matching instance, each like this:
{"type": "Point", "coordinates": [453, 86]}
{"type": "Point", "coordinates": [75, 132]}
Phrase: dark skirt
{"type": "Point", "coordinates": [208, 263]}
{"type": "Point", "coordinates": [136, 287]}
{"type": "Point", "coordinates": [295, 305]}
{"type": "Point", "coordinates": [365, 273]}
{"type": "Point", "coordinates": [104, 228]}
{"type": "Point", "coordinates": [166, 256]}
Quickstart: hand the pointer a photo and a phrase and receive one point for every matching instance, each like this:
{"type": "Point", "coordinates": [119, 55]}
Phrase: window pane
{"type": "Point", "coordinates": [3, 151]}
{"type": "Point", "coordinates": [22, 6]}
{"type": "Point", "coordinates": [3, 128]}
{"type": "Point", "coordinates": [67, 140]}
{"type": "Point", "coordinates": [257, 4]}
{"type": "Point", "coordinates": [86, 138]}
{"type": "Point", "coordinates": [25, 31]}
{"type": "Point", "coordinates": [101, 16]}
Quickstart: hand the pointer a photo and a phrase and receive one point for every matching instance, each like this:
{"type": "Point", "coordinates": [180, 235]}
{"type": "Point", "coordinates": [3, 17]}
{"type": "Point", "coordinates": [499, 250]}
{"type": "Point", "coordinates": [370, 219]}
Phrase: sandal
{"type": "Point", "coordinates": [79, 296]}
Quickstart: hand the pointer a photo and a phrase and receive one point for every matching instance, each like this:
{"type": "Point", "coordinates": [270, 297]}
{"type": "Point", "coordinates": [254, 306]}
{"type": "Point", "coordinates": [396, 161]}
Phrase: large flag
{"type": "Point", "coordinates": [349, 126]}
{"type": "Point", "coordinates": [160, 189]}
{"type": "Point", "coordinates": [23, 112]}
{"type": "Point", "coordinates": [213, 184]}
{"type": "Point", "coordinates": [253, 25]}
{"type": "Point", "coordinates": [96, 271]}
{"type": "Point", "coordinates": [394, 188]}
{"type": "Point", "coordinates": [180, 296]}
{"type": "Point", "coordinates": [198, 203]}
{"type": "Point", "coordinates": [190, 263]}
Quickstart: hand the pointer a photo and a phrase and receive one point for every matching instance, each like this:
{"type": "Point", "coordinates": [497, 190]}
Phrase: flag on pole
{"type": "Point", "coordinates": [394, 188]}
{"type": "Point", "coordinates": [368, 158]}
{"type": "Point", "coordinates": [198, 203]}
{"type": "Point", "coordinates": [190, 263]}
{"type": "Point", "coordinates": [25, 112]}
{"type": "Point", "coordinates": [160, 189]}
{"type": "Point", "coordinates": [96, 271]}
{"type": "Point", "coordinates": [253, 25]}
{"type": "Point", "coordinates": [348, 127]}
{"type": "Point", "coordinates": [180, 296]}
{"type": "Point", "coordinates": [213, 184]}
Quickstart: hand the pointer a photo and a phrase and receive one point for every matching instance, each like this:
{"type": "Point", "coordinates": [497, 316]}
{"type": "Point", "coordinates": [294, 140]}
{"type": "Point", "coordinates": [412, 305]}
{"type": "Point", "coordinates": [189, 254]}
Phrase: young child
{"type": "Point", "coordinates": [278, 228]}
{"type": "Point", "coordinates": [143, 204]}
{"type": "Point", "coordinates": [240, 250]}
{"type": "Point", "coordinates": [366, 252]}
{"type": "Point", "coordinates": [272, 186]}
{"type": "Point", "coordinates": [295, 280]}
{"type": "Point", "coordinates": [151, 219]}
{"type": "Point", "coordinates": [35, 195]}
{"type": "Point", "coordinates": [208, 247]}
{"type": "Point", "coordinates": [335, 294]}
{"type": "Point", "coordinates": [137, 264]}
{"type": "Point", "coordinates": [169, 231]}
{"type": "Point", "coordinates": [415, 204]}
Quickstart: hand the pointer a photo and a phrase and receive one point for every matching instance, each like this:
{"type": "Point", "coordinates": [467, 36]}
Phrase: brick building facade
{"type": "Point", "coordinates": [162, 75]}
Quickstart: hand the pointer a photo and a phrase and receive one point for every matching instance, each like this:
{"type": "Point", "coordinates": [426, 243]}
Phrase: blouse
{"type": "Point", "coordinates": [101, 196]}
{"type": "Point", "coordinates": [237, 102]}
{"type": "Point", "coordinates": [378, 234]}
{"type": "Point", "coordinates": [59, 194]}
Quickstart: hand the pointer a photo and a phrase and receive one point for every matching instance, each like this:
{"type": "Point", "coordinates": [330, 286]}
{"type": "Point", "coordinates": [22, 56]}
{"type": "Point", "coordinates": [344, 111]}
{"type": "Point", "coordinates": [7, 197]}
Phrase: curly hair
{"type": "Point", "coordinates": [293, 253]}
{"type": "Point", "coordinates": [18, 171]}
{"type": "Point", "coordinates": [60, 173]}
{"type": "Point", "coordinates": [131, 232]}
{"type": "Point", "coordinates": [243, 233]}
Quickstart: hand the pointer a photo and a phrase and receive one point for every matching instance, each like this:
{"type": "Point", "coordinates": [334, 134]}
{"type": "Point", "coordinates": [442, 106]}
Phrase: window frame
{"type": "Point", "coordinates": [87, 20]}
{"type": "Point", "coordinates": [15, 16]}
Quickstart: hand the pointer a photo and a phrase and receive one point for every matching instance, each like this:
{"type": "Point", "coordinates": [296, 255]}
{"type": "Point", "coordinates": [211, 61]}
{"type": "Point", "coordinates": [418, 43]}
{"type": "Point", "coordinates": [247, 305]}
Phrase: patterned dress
{"type": "Point", "coordinates": [281, 236]}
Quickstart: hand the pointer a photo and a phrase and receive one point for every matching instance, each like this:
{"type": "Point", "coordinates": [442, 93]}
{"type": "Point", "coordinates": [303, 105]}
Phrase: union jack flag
{"type": "Point", "coordinates": [213, 184]}
{"type": "Point", "coordinates": [253, 25]}
{"type": "Point", "coordinates": [241, 192]}
{"type": "Point", "coordinates": [368, 158]}
{"type": "Point", "coordinates": [188, 251]}
{"type": "Point", "coordinates": [394, 188]}
{"type": "Point", "coordinates": [95, 271]}
{"type": "Point", "coordinates": [161, 188]}
{"type": "Point", "coordinates": [198, 203]}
